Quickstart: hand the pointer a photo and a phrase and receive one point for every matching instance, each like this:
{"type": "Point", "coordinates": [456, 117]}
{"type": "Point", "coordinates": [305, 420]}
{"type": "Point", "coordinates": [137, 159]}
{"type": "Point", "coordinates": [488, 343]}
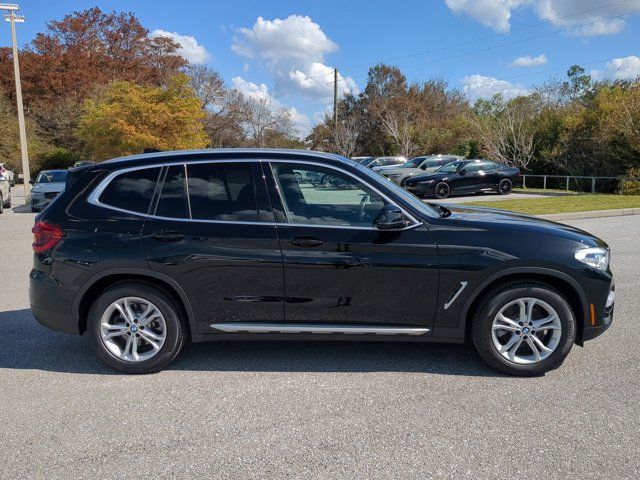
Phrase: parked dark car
{"type": "Point", "coordinates": [470, 176]}
{"type": "Point", "coordinates": [47, 186]}
{"type": "Point", "coordinates": [142, 253]}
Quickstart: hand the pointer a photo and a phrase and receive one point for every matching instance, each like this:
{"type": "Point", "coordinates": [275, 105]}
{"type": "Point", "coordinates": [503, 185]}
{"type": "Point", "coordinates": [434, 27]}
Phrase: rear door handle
{"type": "Point", "coordinates": [306, 241]}
{"type": "Point", "coordinates": [167, 236]}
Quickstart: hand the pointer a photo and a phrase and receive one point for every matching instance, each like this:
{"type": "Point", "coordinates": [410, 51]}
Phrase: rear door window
{"type": "Point", "coordinates": [173, 199]}
{"type": "Point", "coordinates": [131, 191]}
{"type": "Point", "coordinates": [222, 191]}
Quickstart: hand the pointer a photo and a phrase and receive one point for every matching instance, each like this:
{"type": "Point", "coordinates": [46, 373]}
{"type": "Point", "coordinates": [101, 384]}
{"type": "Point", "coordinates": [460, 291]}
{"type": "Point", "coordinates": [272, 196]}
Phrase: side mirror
{"type": "Point", "coordinates": [423, 167]}
{"type": "Point", "coordinates": [390, 217]}
{"type": "Point", "coordinates": [32, 181]}
{"type": "Point", "coordinates": [463, 171]}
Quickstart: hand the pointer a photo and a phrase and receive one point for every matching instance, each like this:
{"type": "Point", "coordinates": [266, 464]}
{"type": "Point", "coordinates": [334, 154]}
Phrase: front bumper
{"type": "Point", "coordinates": [420, 189]}
{"type": "Point", "coordinates": [600, 324]}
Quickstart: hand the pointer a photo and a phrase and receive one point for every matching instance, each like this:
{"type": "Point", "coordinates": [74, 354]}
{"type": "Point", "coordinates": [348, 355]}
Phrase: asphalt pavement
{"type": "Point", "coordinates": [316, 410]}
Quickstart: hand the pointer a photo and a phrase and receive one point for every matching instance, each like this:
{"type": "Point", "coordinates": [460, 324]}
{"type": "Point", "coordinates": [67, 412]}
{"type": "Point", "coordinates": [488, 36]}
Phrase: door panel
{"type": "Point", "coordinates": [338, 268]}
{"type": "Point", "coordinates": [359, 276]}
{"type": "Point", "coordinates": [231, 270]}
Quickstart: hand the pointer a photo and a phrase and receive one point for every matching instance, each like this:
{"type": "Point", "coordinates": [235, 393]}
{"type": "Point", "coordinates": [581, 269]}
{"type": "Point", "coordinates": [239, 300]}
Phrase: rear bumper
{"type": "Point", "coordinates": [51, 304]}
{"type": "Point", "coordinates": [62, 322]}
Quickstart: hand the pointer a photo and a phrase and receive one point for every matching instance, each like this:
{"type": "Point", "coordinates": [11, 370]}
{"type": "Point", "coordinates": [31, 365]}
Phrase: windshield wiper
{"type": "Point", "coordinates": [444, 211]}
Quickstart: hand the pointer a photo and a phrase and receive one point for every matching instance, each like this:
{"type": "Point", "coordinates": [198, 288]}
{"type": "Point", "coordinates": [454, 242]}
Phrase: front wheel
{"type": "Point", "coordinates": [442, 190]}
{"type": "Point", "coordinates": [505, 186]}
{"type": "Point", "coordinates": [524, 329]}
{"type": "Point", "coordinates": [135, 328]}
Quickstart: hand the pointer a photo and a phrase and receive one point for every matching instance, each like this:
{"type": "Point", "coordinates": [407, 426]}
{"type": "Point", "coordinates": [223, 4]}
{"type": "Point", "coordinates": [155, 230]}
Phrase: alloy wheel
{"type": "Point", "coordinates": [526, 331]}
{"type": "Point", "coordinates": [442, 190]}
{"type": "Point", "coordinates": [505, 187]}
{"type": "Point", "coordinates": [133, 329]}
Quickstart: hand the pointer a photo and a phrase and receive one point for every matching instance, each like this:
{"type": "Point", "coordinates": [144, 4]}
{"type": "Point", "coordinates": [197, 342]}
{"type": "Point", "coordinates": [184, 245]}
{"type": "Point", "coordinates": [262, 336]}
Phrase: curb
{"type": "Point", "coordinates": [591, 214]}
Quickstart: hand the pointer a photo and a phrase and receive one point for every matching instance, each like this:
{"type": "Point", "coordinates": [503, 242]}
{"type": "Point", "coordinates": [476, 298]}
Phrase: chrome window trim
{"type": "Point", "coordinates": [94, 196]}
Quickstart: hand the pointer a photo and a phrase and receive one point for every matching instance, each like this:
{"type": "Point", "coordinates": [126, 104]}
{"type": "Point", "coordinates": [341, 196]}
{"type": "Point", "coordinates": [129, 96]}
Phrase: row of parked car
{"type": "Point", "coordinates": [443, 175]}
{"type": "Point", "coordinates": [47, 185]}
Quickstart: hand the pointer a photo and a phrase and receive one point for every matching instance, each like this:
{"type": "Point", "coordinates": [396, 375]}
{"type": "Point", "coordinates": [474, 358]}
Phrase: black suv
{"type": "Point", "coordinates": [469, 176]}
{"type": "Point", "coordinates": [145, 252]}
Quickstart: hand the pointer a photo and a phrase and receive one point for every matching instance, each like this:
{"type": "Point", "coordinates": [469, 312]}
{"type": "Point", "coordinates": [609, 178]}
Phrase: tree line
{"type": "Point", "coordinates": [97, 85]}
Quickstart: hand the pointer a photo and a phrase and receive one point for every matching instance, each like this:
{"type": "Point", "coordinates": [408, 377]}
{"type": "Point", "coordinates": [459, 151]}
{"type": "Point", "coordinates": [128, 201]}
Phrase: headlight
{"type": "Point", "coordinates": [595, 257]}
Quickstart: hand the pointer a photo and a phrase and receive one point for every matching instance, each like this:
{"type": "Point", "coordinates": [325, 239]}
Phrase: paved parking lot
{"type": "Point", "coordinates": [316, 410]}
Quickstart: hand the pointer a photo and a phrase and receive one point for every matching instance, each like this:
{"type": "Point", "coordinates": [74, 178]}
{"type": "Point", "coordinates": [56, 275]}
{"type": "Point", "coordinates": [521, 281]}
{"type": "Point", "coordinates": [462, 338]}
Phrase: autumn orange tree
{"type": "Point", "coordinates": [127, 118]}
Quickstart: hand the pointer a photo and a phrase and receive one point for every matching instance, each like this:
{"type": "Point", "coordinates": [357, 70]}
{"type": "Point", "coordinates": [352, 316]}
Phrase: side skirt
{"type": "Point", "coordinates": [239, 327]}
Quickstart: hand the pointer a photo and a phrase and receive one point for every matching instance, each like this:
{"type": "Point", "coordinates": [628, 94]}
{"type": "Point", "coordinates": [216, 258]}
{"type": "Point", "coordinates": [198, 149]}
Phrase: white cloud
{"type": "Point", "coordinates": [624, 68]}
{"type": "Point", "coordinates": [189, 49]}
{"type": "Point", "coordinates": [255, 91]}
{"type": "Point", "coordinates": [496, 14]}
{"type": "Point", "coordinates": [293, 51]}
{"type": "Point", "coordinates": [478, 86]}
{"type": "Point", "coordinates": [529, 61]}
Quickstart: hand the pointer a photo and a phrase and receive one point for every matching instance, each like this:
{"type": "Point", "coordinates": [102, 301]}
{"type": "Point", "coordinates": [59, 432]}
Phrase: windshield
{"type": "Point", "coordinates": [450, 167]}
{"type": "Point", "coordinates": [401, 192]}
{"type": "Point", "coordinates": [413, 163]}
{"type": "Point", "coordinates": [52, 177]}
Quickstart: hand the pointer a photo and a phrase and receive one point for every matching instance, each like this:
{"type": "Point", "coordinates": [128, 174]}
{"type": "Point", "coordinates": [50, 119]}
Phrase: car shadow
{"type": "Point", "coordinates": [21, 209]}
{"type": "Point", "coordinates": [25, 344]}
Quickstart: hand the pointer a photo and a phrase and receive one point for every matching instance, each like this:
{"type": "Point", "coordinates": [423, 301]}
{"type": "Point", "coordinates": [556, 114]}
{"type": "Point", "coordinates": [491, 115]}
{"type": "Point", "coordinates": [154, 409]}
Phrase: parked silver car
{"type": "Point", "coordinates": [8, 174]}
{"type": "Point", "coordinates": [46, 187]}
{"type": "Point", "coordinates": [418, 165]}
{"type": "Point", "coordinates": [5, 193]}
{"type": "Point", "coordinates": [378, 163]}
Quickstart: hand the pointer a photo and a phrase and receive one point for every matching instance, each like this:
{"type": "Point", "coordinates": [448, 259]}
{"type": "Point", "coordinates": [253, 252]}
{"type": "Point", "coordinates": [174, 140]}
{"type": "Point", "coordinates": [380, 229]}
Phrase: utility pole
{"type": "Point", "coordinates": [12, 18]}
{"type": "Point", "coordinates": [335, 98]}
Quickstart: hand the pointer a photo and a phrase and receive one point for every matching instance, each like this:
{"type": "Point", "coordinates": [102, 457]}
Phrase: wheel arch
{"type": "Point", "coordinates": [85, 298]}
{"type": "Point", "coordinates": [562, 282]}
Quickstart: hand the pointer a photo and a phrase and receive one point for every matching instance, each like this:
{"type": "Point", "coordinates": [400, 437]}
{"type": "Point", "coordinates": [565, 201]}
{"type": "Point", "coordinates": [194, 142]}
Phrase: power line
{"type": "Point", "coordinates": [515, 42]}
{"type": "Point", "coordinates": [495, 35]}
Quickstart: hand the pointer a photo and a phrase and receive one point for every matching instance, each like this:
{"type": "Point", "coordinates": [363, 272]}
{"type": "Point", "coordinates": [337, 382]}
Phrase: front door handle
{"type": "Point", "coordinates": [306, 241]}
{"type": "Point", "coordinates": [168, 236]}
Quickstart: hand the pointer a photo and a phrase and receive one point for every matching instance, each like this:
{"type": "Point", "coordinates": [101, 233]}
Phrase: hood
{"type": "Point", "coordinates": [495, 218]}
{"type": "Point", "coordinates": [49, 187]}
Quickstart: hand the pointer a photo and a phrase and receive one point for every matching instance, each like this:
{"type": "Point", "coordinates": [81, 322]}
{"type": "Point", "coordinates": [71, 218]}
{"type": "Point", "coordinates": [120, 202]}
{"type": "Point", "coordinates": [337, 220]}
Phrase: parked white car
{"type": "Point", "coordinates": [8, 174]}
{"type": "Point", "coordinates": [5, 193]}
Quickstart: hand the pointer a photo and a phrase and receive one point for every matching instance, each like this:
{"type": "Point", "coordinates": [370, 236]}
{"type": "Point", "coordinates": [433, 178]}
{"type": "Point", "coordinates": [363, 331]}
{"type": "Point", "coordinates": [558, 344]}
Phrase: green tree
{"type": "Point", "coordinates": [127, 118]}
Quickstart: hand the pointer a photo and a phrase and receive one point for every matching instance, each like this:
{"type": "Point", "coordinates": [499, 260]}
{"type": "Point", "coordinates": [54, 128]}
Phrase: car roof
{"type": "Point", "coordinates": [230, 153]}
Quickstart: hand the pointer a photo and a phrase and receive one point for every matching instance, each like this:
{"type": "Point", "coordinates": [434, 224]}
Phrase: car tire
{"type": "Point", "coordinates": [325, 181]}
{"type": "Point", "coordinates": [441, 190]}
{"type": "Point", "coordinates": [8, 204]}
{"type": "Point", "coordinates": [34, 209]}
{"type": "Point", "coordinates": [559, 337]}
{"type": "Point", "coordinates": [505, 186]}
{"type": "Point", "coordinates": [1, 204]}
{"type": "Point", "coordinates": [171, 324]}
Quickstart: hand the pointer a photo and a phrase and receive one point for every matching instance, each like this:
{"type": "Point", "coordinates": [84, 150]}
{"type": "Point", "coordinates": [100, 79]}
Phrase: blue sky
{"type": "Point", "coordinates": [285, 50]}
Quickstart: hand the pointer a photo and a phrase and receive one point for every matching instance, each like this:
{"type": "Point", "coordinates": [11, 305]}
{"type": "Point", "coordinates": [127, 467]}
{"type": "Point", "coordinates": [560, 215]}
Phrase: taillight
{"type": "Point", "coordinates": [45, 236]}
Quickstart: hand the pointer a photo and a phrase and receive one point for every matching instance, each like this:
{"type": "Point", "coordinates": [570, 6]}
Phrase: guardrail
{"type": "Point", "coordinates": [578, 180]}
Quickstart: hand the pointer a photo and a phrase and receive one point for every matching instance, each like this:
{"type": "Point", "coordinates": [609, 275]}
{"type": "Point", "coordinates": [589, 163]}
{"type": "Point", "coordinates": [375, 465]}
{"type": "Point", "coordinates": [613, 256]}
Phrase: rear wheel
{"type": "Point", "coordinates": [524, 329]}
{"type": "Point", "coordinates": [505, 186]}
{"type": "Point", "coordinates": [442, 190]}
{"type": "Point", "coordinates": [135, 328]}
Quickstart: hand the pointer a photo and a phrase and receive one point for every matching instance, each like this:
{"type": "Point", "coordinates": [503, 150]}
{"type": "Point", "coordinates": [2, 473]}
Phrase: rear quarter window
{"type": "Point", "coordinates": [131, 191]}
